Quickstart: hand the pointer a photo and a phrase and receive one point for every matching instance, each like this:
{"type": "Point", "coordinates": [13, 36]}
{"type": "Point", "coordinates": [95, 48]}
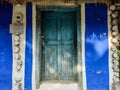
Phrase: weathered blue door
{"type": "Point", "coordinates": [58, 45]}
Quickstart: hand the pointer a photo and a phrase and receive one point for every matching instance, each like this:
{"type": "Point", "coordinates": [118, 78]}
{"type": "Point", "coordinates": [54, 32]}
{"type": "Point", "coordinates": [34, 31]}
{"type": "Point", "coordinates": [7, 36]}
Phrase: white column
{"type": "Point", "coordinates": [18, 45]}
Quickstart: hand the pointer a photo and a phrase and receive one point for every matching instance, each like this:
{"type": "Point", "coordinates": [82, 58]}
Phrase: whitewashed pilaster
{"type": "Point", "coordinates": [18, 31]}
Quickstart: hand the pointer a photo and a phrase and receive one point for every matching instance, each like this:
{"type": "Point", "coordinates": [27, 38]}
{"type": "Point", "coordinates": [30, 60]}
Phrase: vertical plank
{"type": "Point", "coordinates": [38, 46]}
{"type": "Point", "coordinates": [79, 50]}
{"type": "Point", "coordinates": [49, 47]}
{"type": "Point", "coordinates": [67, 46]}
{"type": "Point", "coordinates": [59, 47]}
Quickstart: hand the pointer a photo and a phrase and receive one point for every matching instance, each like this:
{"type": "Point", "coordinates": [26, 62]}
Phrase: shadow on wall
{"type": "Point", "coordinates": [97, 56]}
{"type": "Point", "coordinates": [98, 44]}
{"type": "Point", "coordinates": [96, 47]}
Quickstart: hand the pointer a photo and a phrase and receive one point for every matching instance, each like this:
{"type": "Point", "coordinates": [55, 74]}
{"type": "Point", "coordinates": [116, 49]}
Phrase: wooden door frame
{"type": "Point", "coordinates": [39, 42]}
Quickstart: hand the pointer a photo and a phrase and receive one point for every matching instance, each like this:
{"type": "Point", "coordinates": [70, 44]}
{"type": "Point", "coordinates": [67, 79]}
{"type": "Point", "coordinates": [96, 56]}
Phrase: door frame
{"type": "Point", "coordinates": [38, 43]}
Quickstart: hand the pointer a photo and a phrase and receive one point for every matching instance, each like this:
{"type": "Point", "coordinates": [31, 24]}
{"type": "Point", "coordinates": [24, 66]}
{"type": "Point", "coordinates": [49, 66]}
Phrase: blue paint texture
{"type": "Point", "coordinates": [5, 47]}
{"type": "Point", "coordinates": [28, 48]}
{"type": "Point", "coordinates": [96, 47]}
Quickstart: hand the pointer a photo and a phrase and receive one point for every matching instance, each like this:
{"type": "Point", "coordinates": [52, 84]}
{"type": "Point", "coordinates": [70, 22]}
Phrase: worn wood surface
{"type": "Point", "coordinates": [58, 57]}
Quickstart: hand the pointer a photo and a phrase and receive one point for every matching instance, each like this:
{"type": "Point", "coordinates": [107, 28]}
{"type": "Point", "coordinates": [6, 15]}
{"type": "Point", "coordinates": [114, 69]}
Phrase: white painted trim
{"type": "Point", "coordinates": [13, 63]}
{"type": "Point", "coordinates": [83, 45]}
{"type": "Point", "coordinates": [110, 53]}
{"type": "Point", "coordinates": [34, 44]}
{"type": "Point", "coordinates": [21, 73]}
{"type": "Point", "coordinates": [24, 44]}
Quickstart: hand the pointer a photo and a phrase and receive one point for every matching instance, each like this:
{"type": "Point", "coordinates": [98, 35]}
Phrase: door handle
{"type": "Point", "coordinates": [42, 36]}
{"type": "Point", "coordinates": [43, 40]}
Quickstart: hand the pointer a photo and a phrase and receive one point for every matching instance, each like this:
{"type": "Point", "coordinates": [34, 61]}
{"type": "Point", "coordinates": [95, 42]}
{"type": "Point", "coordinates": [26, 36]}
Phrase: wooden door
{"type": "Point", "coordinates": [58, 46]}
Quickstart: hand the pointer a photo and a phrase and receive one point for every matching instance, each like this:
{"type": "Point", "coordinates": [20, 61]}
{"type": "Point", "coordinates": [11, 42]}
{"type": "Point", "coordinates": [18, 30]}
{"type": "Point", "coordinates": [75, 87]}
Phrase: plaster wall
{"type": "Point", "coordinates": [96, 50]}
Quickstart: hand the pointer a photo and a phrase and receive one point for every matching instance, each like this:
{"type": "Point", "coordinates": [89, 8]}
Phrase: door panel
{"type": "Point", "coordinates": [49, 57]}
{"type": "Point", "coordinates": [66, 62]}
{"type": "Point", "coordinates": [49, 26]}
{"type": "Point", "coordinates": [67, 46]}
{"type": "Point", "coordinates": [58, 52]}
{"type": "Point", "coordinates": [67, 28]}
{"type": "Point", "coordinates": [50, 61]}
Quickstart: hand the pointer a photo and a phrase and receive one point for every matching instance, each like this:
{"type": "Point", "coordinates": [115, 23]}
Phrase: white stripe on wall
{"type": "Point", "coordinates": [83, 45]}
{"type": "Point", "coordinates": [24, 42]}
{"type": "Point", "coordinates": [34, 44]}
{"type": "Point", "coordinates": [15, 74]}
{"type": "Point", "coordinates": [110, 53]}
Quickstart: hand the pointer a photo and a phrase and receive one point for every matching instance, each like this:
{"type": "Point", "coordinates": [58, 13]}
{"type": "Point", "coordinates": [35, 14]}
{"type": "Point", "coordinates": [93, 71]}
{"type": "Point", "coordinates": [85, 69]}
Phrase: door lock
{"type": "Point", "coordinates": [42, 36]}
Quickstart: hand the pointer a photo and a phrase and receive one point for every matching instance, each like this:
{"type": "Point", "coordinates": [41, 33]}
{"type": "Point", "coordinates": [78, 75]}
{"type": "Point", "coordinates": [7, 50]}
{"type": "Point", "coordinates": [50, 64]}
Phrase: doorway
{"type": "Point", "coordinates": [58, 60]}
{"type": "Point", "coordinates": [58, 36]}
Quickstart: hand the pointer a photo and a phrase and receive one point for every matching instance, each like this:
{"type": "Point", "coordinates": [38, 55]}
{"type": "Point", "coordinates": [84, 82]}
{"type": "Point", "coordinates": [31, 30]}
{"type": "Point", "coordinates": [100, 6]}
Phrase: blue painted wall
{"type": "Point", "coordinates": [28, 48]}
{"type": "Point", "coordinates": [96, 47]}
{"type": "Point", "coordinates": [5, 47]}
